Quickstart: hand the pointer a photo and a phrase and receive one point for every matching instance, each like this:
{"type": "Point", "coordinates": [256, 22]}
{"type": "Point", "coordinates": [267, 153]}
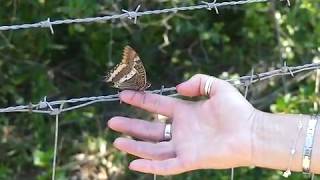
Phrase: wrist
{"type": "Point", "coordinates": [247, 145]}
{"type": "Point", "coordinates": [273, 137]}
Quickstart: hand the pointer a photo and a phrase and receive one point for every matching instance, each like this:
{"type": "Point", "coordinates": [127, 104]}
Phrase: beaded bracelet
{"type": "Point", "coordinates": [307, 149]}
{"type": "Point", "coordinates": [293, 150]}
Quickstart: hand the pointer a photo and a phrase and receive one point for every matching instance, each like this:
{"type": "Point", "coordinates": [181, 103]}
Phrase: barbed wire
{"type": "Point", "coordinates": [132, 15]}
{"type": "Point", "coordinates": [53, 107]}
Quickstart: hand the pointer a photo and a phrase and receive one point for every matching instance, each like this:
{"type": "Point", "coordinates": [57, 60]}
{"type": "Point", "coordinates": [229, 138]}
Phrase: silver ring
{"type": "Point", "coordinates": [208, 85]}
{"type": "Point", "coordinates": [167, 132]}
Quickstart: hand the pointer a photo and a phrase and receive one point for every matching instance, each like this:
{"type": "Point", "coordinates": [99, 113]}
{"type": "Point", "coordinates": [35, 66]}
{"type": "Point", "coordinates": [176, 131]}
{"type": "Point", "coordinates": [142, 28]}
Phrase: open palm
{"type": "Point", "coordinates": [213, 133]}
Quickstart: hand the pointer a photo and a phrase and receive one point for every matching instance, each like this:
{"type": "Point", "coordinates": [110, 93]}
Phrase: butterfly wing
{"type": "Point", "coordinates": [113, 75]}
{"type": "Point", "coordinates": [142, 75]}
{"type": "Point", "coordinates": [129, 54]}
{"type": "Point", "coordinates": [130, 84]}
{"type": "Point", "coordinates": [124, 67]}
{"type": "Point", "coordinates": [130, 73]}
{"type": "Point", "coordinates": [135, 80]}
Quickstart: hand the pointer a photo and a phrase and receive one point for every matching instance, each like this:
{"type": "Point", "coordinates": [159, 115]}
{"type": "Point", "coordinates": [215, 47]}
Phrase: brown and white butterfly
{"type": "Point", "coordinates": [130, 73]}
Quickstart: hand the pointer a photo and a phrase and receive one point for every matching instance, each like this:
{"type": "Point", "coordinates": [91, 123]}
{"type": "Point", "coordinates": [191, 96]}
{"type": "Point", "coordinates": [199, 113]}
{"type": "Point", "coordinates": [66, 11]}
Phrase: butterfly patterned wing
{"type": "Point", "coordinates": [129, 54]}
{"type": "Point", "coordinates": [136, 80]}
{"type": "Point", "coordinates": [124, 67]}
{"type": "Point", "coordinates": [142, 75]}
{"type": "Point", "coordinates": [130, 84]}
{"type": "Point", "coordinates": [130, 73]}
{"type": "Point", "coordinates": [111, 75]}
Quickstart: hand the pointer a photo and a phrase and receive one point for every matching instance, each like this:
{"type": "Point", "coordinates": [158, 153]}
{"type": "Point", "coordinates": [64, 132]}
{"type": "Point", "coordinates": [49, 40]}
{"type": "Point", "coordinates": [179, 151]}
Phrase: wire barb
{"type": "Point", "coordinates": [286, 69]}
{"type": "Point", "coordinates": [132, 14]}
{"type": "Point", "coordinates": [55, 111]}
{"type": "Point", "coordinates": [47, 24]}
{"type": "Point", "coordinates": [44, 104]}
{"type": "Point", "coordinates": [248, 82]}
{"type": "Point", "coordinates": [161, 90]}
{"type": "Point", "coordinates": [258, 76]}
{"type": "Point", "coordinates": [211, 5]}
{"type": "Point", "coordinates": [30, 107]}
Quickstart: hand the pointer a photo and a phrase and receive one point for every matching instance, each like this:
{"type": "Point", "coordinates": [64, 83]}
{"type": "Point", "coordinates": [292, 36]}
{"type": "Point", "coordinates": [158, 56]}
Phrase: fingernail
{"type": "Point", "coordinates": [110, 123]}
{"type": "Point", "coordinates": [132, 165]}
{"type": "Point", "coordinates": [117, 142]}
{"type": "Point", "coordinates": [179, 85]}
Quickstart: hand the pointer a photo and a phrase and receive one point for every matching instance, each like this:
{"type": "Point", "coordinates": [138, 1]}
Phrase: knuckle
{"type": "Point", "coordinates": [138, 98]}
{"type": "Point", "coordinates": [152, 167]}
{"type": "Point", "coordinates": [164, 168]}
{"type": "Point", "coordinates": [202, 76]}
{"type": "Point", "coordinates": [221, 84]}
{"type": "Point", "coordinates": [129, 131]}
{"type": "Point", "coordinates": [163, 154]}
{"type": "Point", "coordinates": [141, 98]}
{"type": "Point", "coordinates": [132, 97]}
{"type": "Point", "coordinates": [151, 100]}
{"type": "Point", "coordinates": [144, 99]}
{"type": "Point", "coordinates": [149, 131]}
{"type": "Point", "coordinates": [138, 149]}
{"type": "Point", "coordinates": [196, 76]}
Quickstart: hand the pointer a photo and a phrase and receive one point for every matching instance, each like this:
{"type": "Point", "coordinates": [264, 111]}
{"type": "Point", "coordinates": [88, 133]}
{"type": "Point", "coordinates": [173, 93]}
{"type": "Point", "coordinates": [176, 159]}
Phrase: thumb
{"type": "Point", "coordinates": [195, 86]}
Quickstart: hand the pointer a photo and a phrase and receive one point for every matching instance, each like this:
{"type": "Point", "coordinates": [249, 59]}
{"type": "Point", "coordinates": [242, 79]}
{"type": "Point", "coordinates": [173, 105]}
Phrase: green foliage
{"type": "Point", "coordinates": [300, 102]}
{"type": "Point", "coordinates": [173, 47]}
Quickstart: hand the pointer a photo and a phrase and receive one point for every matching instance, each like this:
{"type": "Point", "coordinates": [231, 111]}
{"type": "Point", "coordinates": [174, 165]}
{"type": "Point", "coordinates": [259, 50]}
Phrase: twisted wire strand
{"type": "Point", "coordinates": [46, 107]}
{"type": "Point", "coordinates": [126, 14]}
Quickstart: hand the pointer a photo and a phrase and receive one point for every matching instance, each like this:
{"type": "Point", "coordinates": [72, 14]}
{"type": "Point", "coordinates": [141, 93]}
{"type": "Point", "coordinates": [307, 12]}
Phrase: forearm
{"type": "Point", "coordinates": [273, 139]}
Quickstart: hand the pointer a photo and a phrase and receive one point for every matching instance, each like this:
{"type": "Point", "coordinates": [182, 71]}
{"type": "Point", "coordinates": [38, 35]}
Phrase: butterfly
{"type": "Point", "coordinates": [130, 73]}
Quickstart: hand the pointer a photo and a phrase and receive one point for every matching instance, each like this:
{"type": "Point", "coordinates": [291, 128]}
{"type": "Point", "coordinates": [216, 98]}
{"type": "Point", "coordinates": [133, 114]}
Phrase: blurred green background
{"type": "Point", "coordinates": [73, 61]}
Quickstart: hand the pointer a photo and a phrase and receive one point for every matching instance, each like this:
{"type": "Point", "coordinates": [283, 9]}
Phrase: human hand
{"type": "Point", "coordinates": [213, 133]}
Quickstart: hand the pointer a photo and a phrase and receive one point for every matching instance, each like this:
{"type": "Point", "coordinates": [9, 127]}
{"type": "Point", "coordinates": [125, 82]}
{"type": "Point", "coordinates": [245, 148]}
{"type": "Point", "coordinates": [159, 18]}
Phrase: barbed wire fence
{"type": "Point", "coordinates": [132, 15]}
{"type": "Point", "coordinates": [55, 108]}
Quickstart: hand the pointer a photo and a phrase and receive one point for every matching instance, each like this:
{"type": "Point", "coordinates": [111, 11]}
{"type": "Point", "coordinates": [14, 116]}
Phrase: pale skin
{"type": "Point", "coordinates": [221, 132]}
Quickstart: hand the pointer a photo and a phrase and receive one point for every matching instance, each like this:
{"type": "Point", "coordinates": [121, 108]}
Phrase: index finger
{"type": "Point", "coordinates": [155, 103]}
